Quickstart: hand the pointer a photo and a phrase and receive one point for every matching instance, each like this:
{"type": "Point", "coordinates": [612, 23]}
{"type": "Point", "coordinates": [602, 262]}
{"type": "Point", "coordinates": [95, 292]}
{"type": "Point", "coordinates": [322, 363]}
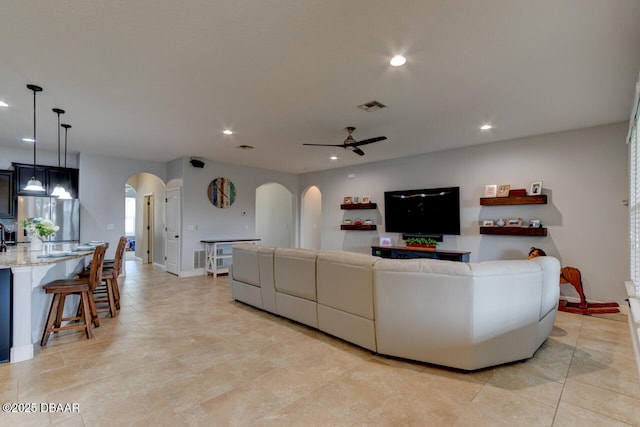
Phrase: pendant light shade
{"type": "Point", "coordinates": [33, 184]}
{"type": "Point", "coordinates": [59, 191]}
{"type": "Point", "coordinates": [66, 127]}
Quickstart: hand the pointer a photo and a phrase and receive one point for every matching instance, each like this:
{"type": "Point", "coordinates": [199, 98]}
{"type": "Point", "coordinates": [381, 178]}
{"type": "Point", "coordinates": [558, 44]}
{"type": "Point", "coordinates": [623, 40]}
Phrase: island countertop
{"type": "Point", "coordinates": [21, 256]}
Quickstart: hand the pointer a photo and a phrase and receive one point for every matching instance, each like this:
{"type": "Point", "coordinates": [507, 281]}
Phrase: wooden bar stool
{"type": "Point", "coordinates": [84, 288]}
{"type": "Point", "coordinates": [108, 291]}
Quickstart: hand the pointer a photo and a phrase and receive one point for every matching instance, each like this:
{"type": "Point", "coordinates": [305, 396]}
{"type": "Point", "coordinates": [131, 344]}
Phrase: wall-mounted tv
{"type": "Point", "coordinates": [426, 211]}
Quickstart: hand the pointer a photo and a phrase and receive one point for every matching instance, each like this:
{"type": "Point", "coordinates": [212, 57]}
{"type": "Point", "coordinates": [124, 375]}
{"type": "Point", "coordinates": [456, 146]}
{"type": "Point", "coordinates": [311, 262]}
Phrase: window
{"type": "Point", "coordinates": [130, 216]}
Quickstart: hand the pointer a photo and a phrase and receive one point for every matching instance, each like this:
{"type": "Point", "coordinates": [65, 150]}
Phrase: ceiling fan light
{"type": "Point", "coordinates": [34, 185]}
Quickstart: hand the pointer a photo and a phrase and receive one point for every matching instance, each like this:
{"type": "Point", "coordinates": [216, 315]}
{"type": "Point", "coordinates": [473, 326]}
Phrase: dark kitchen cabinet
{"type": "Point", "coordinates": [49, 176]}
{"type": "Point", "coordinates": [7, 197]}
{"type": "Point", "coordinates": [24, 174]}
{"type": "Point", "coordinates": [66, 177]}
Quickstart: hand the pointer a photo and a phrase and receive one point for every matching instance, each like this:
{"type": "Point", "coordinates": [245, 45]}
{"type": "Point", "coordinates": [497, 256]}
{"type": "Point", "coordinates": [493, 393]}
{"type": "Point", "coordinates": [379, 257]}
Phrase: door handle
{"type": "Point", "coordinates": [176, 236]}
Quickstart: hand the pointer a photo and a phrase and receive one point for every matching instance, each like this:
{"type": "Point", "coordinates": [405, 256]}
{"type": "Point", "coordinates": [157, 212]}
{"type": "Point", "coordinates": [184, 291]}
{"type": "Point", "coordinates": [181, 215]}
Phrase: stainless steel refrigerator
{"type": "Point", "coordinates": [64, 213]}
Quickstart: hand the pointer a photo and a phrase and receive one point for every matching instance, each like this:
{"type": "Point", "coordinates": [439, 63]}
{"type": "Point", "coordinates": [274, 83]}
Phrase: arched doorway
{"type": "Point", "coordinates": [311, 219]}
{"type": "Point", "coordinates": [149, 220]}
{"type": "Point", "coordinates": [274, 215]}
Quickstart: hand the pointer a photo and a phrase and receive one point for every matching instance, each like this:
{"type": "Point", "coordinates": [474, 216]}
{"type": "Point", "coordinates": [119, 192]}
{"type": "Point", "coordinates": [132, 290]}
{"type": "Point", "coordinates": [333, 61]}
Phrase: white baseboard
{"type": "Point", "coordinates": [192, 273]}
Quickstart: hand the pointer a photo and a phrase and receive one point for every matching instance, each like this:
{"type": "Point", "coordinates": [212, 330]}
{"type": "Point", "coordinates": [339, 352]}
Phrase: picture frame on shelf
{"type": "Point", "coordinates": [366, 199]}
{"type": "Point", "coordinates": [514, 222]}
{"type": "Point", "coordinates": [488, 223]}
{"type": "Point", "coordinates": [347, 200]}
{"type": "Point", "coordinates": [534, 223]}
{"type": "Point", "coordinates": [503, 190]}
{"type": "Point", "coordinates": [490, 190]}
{"type": "Point", "coordinates": [356, 199]}
{"type": "Point", "coordinates": [385, 241]}
{"type": "Point", "coordinates": [536, 188]}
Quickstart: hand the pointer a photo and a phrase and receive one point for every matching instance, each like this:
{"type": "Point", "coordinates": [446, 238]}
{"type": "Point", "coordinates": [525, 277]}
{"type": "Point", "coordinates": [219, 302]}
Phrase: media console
{"type": "Point", "coordinates": [404, 252]}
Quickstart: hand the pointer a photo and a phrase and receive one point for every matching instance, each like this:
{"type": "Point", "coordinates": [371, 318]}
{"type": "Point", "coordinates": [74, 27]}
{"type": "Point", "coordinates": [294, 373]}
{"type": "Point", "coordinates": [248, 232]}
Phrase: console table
{"type": "Point", "coordinates": [218, 254]}
{"type": "Point", "coordinates": [403, 252]}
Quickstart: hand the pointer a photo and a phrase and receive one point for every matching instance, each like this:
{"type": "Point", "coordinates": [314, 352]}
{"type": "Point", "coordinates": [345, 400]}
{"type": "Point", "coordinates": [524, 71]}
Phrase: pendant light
{"type": "Point", "coordinates": [33, 184]}
{"type": "Point", "coordinates": [59, 190]}
{"type": "Point", "coordinates": [66, 127]}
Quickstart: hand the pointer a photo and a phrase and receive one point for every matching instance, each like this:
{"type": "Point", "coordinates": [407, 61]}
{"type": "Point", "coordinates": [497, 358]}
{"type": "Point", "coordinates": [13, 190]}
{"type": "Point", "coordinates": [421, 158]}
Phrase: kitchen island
{"type": "Point", "coordinates": [28, 304]}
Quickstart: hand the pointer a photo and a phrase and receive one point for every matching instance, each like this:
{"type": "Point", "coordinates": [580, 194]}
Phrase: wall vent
{"type": "Point", "coordinates": [199, 258]}
{"type": "Point", "coordinates": [372, 106]}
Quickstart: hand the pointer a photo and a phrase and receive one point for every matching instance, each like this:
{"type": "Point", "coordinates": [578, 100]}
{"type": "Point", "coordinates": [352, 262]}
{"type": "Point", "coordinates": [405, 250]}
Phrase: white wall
{"type": "Point", "coordinates": [24, 154]}
{"type": "Point", "coordinates": [274, 215]}
{"type": "Point", "coordinates": [203, 221]}
{"type": "Point", "coordinates": [102, 180]}
{"type": "Point", "coordinates": [584, 174]}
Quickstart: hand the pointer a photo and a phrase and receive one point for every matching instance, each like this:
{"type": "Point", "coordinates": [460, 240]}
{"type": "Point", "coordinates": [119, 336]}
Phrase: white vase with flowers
{"type": "Point", "coordinates": [38, 229]}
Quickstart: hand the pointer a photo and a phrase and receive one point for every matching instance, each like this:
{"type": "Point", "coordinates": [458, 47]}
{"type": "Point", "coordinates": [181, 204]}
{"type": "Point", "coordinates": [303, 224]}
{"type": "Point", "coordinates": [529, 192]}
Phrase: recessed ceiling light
{"type": "Point", "coordinates": [398, 60]}
{"type": "Point", "coordinates": [486, 127]}
{"type": "Point", "coordinates": [333, 158]}
{"type": "Point", "coordinates": [227, 132]}
{"type": "Point", "coordinates": [28, 140]}
{"type": "Point", "coordinates": [3, 104]}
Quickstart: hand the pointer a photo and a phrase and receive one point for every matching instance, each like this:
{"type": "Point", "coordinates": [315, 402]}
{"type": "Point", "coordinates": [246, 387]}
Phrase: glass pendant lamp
{"type": "Point", "coordinates": [66, 127]}
{"type": "Point", "coordinates": [59, 191]}
{"type": "Point", "coordinates": [33, 184]}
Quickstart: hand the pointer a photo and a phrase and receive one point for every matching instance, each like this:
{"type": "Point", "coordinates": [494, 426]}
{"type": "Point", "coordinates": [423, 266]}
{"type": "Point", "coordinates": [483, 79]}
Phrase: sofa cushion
{"type": "Point", "coordinates": [294, 271]}
{"type": "Point", "coordinates": [345, 282]}
{"type": "Point", "coordinates": [245, 264]}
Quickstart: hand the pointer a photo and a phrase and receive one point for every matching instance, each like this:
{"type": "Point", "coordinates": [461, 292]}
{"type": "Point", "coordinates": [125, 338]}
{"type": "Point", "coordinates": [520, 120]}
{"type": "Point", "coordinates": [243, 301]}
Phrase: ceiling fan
{"type": "Point", "coordinates": [352, 143]}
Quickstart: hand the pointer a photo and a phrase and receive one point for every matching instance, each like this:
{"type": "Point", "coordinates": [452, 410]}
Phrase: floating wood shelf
{"type": "Point", "coordinates": [358, 227]}
{"type": "Point", "coordinates": [353, 206]}
{"type": "Point", "coordinates": [514, 231]}
{"type": "Point", "coordinates": [540, 199]}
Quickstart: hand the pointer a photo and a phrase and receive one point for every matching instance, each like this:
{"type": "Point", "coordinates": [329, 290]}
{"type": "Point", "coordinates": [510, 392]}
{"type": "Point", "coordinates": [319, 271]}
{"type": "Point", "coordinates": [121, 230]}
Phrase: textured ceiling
{"type": "Point", "coordinates": [161, 79]}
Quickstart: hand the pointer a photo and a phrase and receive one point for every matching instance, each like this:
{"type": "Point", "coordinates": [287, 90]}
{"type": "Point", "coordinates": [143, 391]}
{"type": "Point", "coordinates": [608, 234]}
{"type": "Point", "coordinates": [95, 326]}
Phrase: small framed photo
{"type": "Point", "coordinates": [490, 190]}
{"type": "Point", "coordinates": [385, 241]}
{"type": "Point", "coordinates": [366, 199]}
{"type": "Point", "coordinates": [514, 222]}
{"type": "Point", "coordinates": [535, 223]}
{"type": "Point", "coordinates": [356, 199]}
{"type": "Point", "coordinates": [536, 188]}
{"type": "Point", "coordinates": [503, 190]}
{"type": "Point", "coordinates": [347, 222]}
{"type": "Point", "coordinates": [347, 200]}
{"type": "Point", "coordinates": [488, 223]}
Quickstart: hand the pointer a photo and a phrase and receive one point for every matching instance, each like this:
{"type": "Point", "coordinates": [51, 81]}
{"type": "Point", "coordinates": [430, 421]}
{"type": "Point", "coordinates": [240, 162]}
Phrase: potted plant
{"type": "Point", "coordinates": [422, 242]}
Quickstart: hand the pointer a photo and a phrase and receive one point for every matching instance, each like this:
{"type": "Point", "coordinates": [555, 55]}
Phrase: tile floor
{"type": "Point", "coordinates": [183, 353]}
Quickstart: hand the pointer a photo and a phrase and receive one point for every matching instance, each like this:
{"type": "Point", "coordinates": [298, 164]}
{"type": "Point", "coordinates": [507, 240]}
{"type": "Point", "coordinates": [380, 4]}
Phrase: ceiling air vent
{"type": "Point", "coordinates": [372, 106]}
{"type": "Point", "coordinates": [246, 147]}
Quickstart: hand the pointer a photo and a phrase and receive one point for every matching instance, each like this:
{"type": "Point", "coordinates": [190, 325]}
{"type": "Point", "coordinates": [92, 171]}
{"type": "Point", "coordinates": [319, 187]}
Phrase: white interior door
{"type": "Point", "coordinates": [172, 261]}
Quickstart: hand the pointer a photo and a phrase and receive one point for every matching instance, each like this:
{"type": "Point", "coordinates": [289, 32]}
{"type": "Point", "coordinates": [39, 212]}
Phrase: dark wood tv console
{"type": "Point", "coordinates": [403, 252]}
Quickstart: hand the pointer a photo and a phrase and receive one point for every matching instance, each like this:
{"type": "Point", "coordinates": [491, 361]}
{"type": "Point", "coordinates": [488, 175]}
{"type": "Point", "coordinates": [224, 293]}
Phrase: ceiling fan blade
{"type": "Point", "coordinates": [368, 141]}
{"type": "Point", "coordinates": [327, 145]}
{"type": "Point", "coordinates": [358, 151]}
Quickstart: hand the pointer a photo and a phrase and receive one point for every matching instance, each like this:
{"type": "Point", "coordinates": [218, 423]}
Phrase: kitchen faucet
{"type": "Point", "coordinates": [3, 245]}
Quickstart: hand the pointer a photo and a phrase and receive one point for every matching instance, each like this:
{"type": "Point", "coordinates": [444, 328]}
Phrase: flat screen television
{"type": "Point", "coordinates": [430, 211]}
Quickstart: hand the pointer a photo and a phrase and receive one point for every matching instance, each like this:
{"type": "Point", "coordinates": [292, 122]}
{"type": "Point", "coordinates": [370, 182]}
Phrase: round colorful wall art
{"type": "Point", "coordinates": [221, 192]}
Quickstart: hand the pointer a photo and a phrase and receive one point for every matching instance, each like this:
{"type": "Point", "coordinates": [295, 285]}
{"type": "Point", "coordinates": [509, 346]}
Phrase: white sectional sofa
{"type": "Point", "coordinates": [462, 315]}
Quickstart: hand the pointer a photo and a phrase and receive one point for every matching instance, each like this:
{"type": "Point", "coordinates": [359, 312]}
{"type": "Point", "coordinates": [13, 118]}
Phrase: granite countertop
{"type": "Point", "coordinates": [21, 256]}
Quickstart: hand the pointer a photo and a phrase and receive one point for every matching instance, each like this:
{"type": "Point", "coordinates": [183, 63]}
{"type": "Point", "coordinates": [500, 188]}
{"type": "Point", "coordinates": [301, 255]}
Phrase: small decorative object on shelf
{"type": "Point", "coordinates": [366, 199]}
{"type": "Point", "coordinates": [490, 190]}
{"type": "Point", "coordinates": [503, 190]}
{"type": "Point", "coordinates": [357, 221]}
{"type": "Point", "coordinates": [422, 242]}
{"type": "Point", "coordinates": [520, 192]}
{"type": "Point", "coordinates": [536, 188]}
{"type": "Point", "coordinates": [347, 200]}
{"type": "Point", "coordinates": [488, 223]}
{"type": "Point", "coordinates": [535, 223]}
{"type": "Point", "coordinates": [500, 223]}
{"type": "Point", "coordinates": [514, 222]}
{"type": "Point", "coordinates": [385, 241]}
{"type": "Point", "coordinates": [347, 222]}
{"type": "Point", "coordinates": [368, 221]}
